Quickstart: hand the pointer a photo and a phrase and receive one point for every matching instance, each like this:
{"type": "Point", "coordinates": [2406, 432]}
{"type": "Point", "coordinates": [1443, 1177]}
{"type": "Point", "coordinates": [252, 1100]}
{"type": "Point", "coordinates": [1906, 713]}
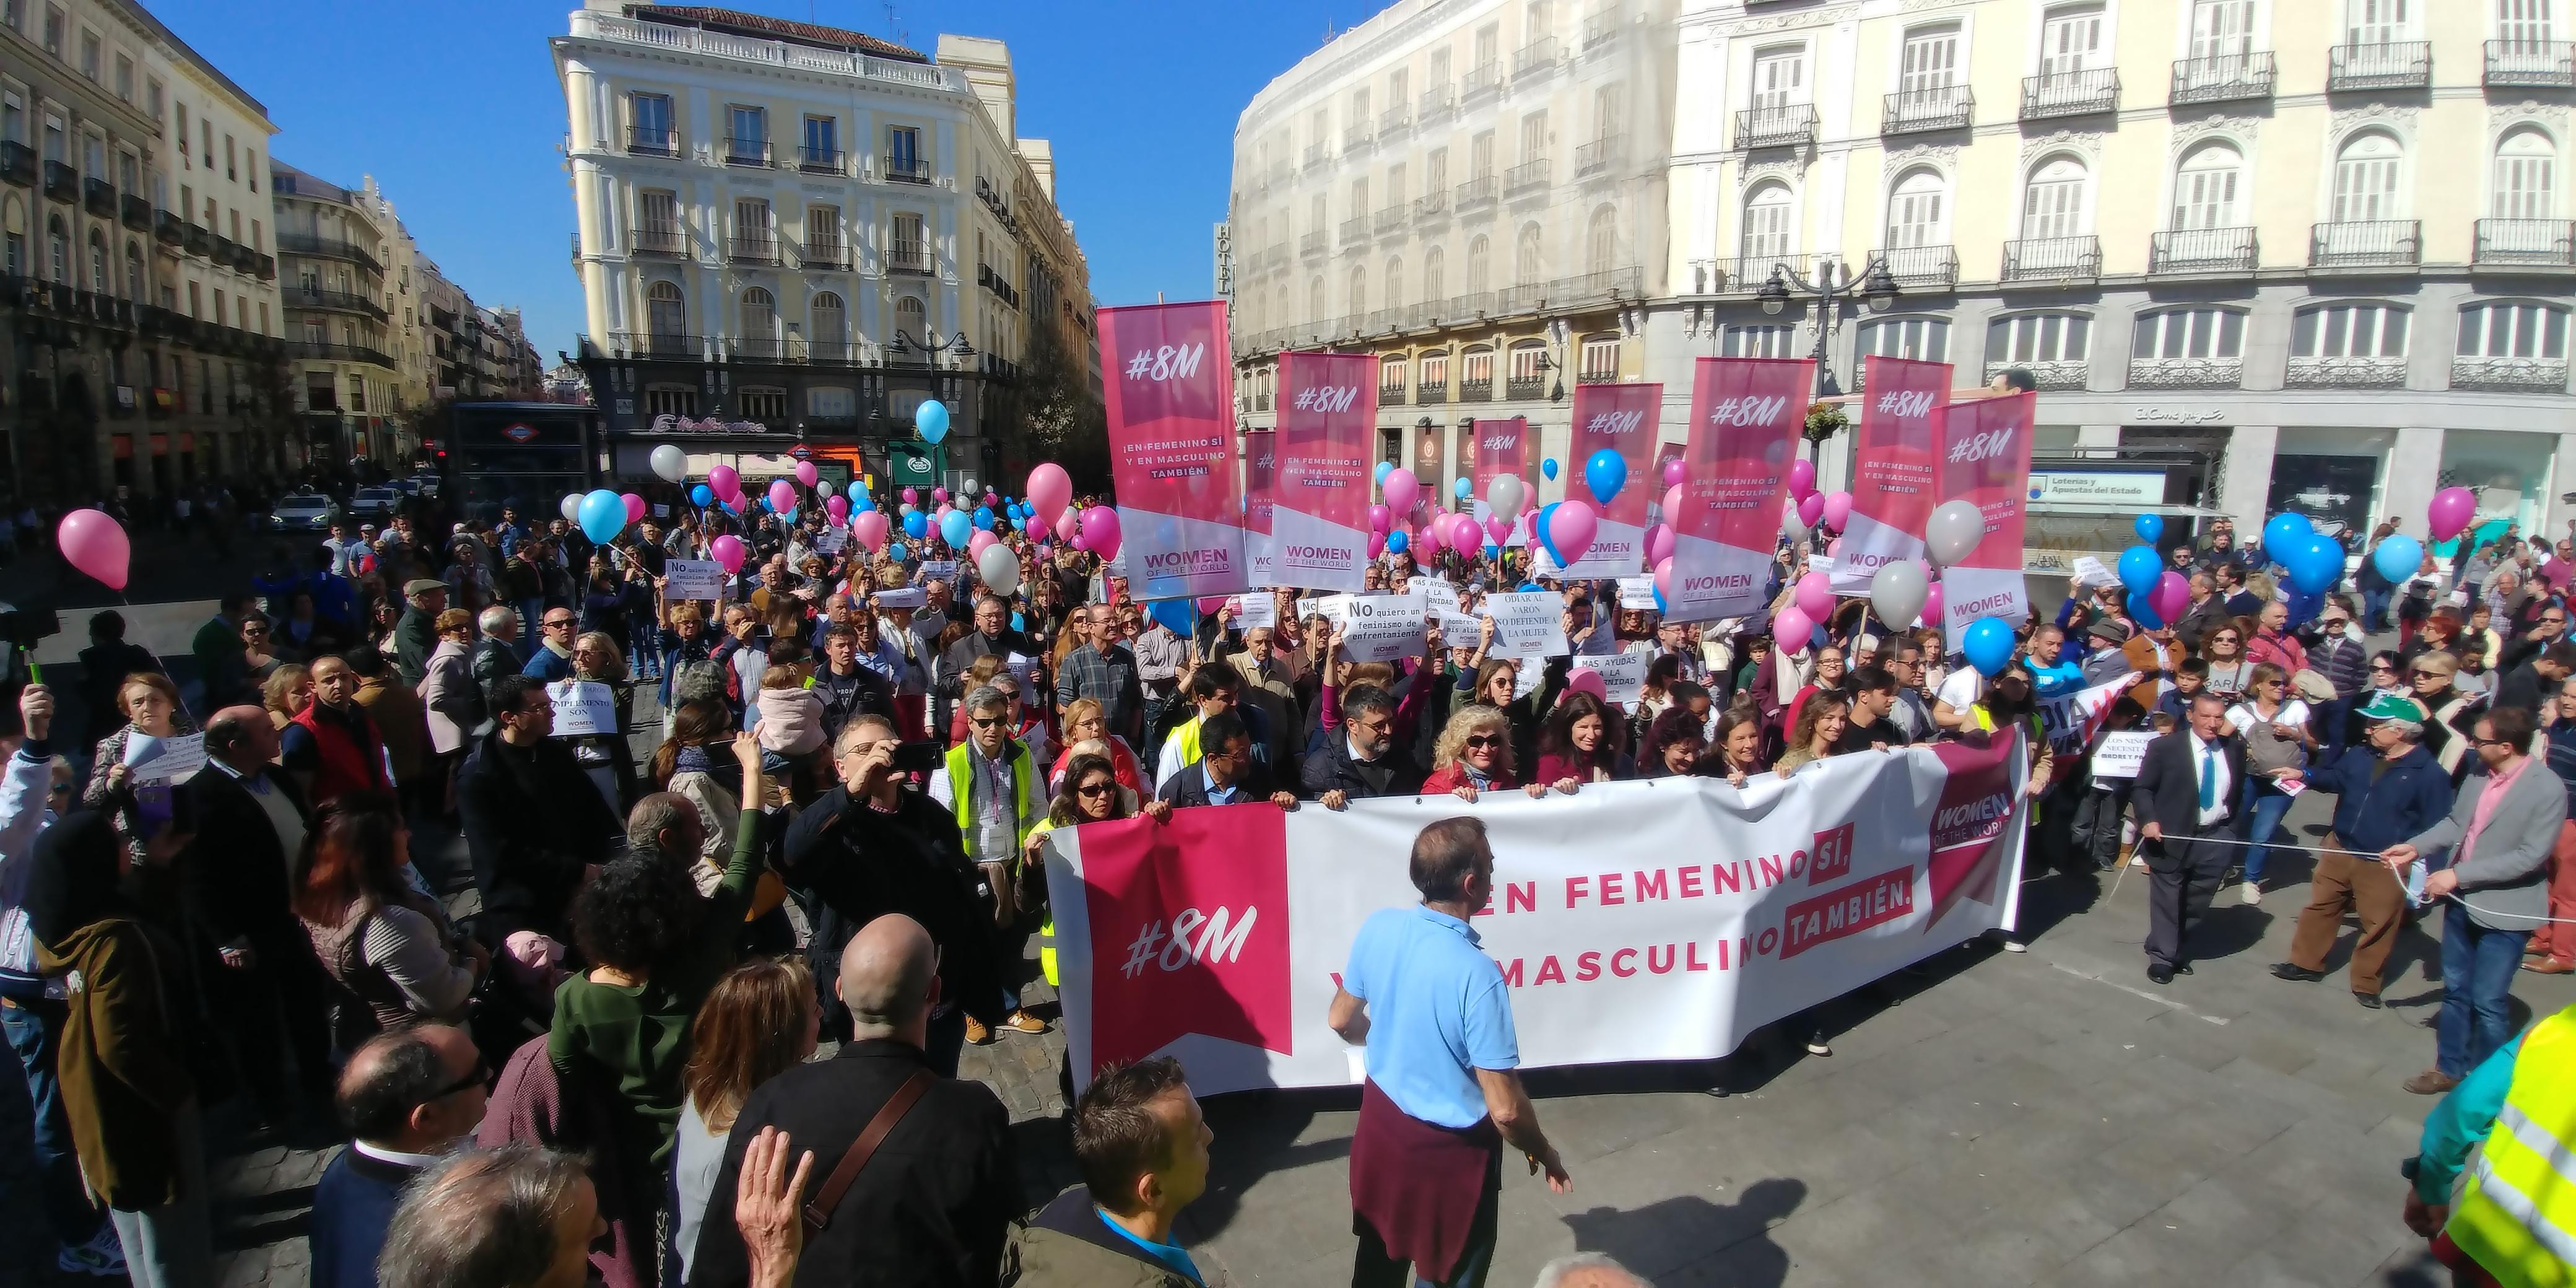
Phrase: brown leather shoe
{"type": "Point", "coordinates": [2431, 1082]}
{"type": "Point", "coordinates": [2549, 966]}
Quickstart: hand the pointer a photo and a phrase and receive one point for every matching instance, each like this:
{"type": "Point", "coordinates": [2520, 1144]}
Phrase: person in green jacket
{"type": "Point", "coordinates": [655, 947]}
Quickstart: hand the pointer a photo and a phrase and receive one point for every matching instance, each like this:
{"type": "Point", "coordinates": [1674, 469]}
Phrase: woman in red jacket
{"type": "Point", "coordinates": [1474, 755]}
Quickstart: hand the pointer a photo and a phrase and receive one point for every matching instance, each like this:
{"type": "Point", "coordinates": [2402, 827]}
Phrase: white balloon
{"type": "Point", "coordinates": [1897, 590]}
{"type": "Point", "coordinates": [999, 568]}
{"type": "Point", "coordinates": [823, 489]}
{"type": "Point", "coordinates": [671, 463]}
{"type": "Point", "coordinates": [1789, 525]}
{"type": "Point", "coordinates": [571, 507]}
{"type": "Point", "coordinates": [1506, 493]}
{"type": "Point", "coordinates": [1954, 529]}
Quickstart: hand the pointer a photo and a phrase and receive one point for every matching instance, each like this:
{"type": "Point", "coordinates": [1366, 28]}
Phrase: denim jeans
{"type": "Point", "coordinates": [172, 1246]}
{"type": "Point", "coordinates": [2264, 806]}
{"type": "Point", "coordinates": [2478, 966]}
{"type": "Point", "coordinates": [34, 1030]}
{"type": "Point", "coordinates": [2374, 610]}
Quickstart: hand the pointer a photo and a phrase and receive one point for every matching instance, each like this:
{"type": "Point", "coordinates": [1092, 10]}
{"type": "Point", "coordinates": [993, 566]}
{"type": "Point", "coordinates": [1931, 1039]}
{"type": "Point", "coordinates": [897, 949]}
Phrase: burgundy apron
{"type": "Point", "coordinates": [1418, 1184]}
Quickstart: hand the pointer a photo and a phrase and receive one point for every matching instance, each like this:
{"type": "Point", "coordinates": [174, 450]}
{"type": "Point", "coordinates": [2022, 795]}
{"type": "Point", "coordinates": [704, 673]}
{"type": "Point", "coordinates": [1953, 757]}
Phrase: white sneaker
{"type": "Point", "coordinates": [2253, 893]}
{"type": "Point", "coordinates": [2012, 945]}
{"type": "Point", "coordinates": [2139, 863]}
{"type": "Point", "coordinates": [103, 1256]}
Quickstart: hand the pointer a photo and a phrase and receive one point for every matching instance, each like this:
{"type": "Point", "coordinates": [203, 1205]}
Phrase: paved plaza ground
{"type": "Point", "coordinates": [2041, 1118]}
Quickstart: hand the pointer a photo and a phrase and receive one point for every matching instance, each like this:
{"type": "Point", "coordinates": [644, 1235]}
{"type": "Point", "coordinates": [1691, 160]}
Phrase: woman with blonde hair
{"type": "Point", "coordinates": [1086, 721]}
{"type": "Point", "coordinates": [608, 758]}
{"type": "Point", "coordinates": [1474, 755]}
{"type": "Point", "coordinates": [152, 710]}
{"type": "Point", "coordinates": [1822, 718]}
{"type": "Point", "coordinates": [758, 1022]}
{"type": "Point", "coordinates": [288, 691]}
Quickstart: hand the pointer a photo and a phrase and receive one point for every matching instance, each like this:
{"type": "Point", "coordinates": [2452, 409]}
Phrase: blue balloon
{"type": "Point", "coordinates": [1539, 527]}
{"type": "Point", "coordinates": [931, 418]}
{"type": "Point", "coordinates": [2283, 533]}
{"type": "Point", "coordinates": [1548, 467]}
{"type": "Point", "coordinates": [1605, 474]}
{"type": "Point", "coordinates": [2315, 567]}
{"type": "Point", "coordinates": [916, 525]}
{"type": "Point", "coordinates": [896, 550]}
{"type": "Point", "coordinates": [2304, 605]}
{"type": "Point", "coordinates": [1528, 586]}
{"type": "Point", "coordinates": [1396, 541]}
{"type": "Point", "coordinates": [863, 503]}
{"type": "Point", "coordinates": [1017, 623]}
{"type": "Point", "coordinates": [603, 516]}
{"type": "Point", "coordinates": [955, 528]}
{"type": "Point", "coordinates": [1988, 644]}
{"type": "Point", "coordinates": [2145, 613]}
{"type": "Point", "coordinates": [702, 494]}
{"type": "Point", "coordinates": [2398, 557]}
{"type": "Point", "coordinates": [984, 517]}
{"type": "Point", "coordinates": [1462, 489]}
{"type": "Point", "coordinates": [2151, 528]}
{"type": "Point", "coordinates": [765, 506]}
{"type": "Point", "coordinates": [1384, 468]}
{"type": "Point", "coordinates": [2140, 569]}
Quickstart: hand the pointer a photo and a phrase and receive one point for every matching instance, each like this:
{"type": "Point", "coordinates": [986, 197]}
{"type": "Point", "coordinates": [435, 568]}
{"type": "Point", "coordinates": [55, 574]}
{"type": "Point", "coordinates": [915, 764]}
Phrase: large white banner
{"type": "Point", "coordinates": [1663, 919]}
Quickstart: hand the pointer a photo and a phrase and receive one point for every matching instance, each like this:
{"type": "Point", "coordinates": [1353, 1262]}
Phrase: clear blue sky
{"type": "Point", "coordinates": [453, 107]}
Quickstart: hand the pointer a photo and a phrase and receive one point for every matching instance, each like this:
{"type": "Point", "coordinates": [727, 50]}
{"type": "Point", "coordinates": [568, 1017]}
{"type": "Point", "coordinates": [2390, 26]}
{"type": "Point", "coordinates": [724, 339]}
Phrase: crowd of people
{"type": "Point", "coordinates": [861, 757]}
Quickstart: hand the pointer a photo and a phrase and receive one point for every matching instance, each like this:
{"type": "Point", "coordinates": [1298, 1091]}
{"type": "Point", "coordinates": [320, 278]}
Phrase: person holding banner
{"type": "Point", "coordinates": [1673, 746]}
{"type": "Point", "coordinates": [1363, 761]}
{"type": "Point", "coordinates": [2186, 796]}
{"type": "Point", "coordinates": [1227, 772]}
{"type": "Point", "coordinates": [1474, 755]}
{"type": "Point", "coordinates": [1575, 747]}
{"type": "Point", "coordinates": [1443, 1095]}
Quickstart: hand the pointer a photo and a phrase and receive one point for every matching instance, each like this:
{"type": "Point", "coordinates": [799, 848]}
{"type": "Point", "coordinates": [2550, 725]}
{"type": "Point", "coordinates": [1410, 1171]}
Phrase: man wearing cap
{"type": "Point", "coordinates": [416, 635]}
{"type": "Point", "coordinates": [2385, 791]}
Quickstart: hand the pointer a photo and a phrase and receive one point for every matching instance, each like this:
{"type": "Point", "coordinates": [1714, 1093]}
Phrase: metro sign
{"type": "Point", "coordinates": [519, 433]}
{"type": "Point", "coordinates": [800, 451]}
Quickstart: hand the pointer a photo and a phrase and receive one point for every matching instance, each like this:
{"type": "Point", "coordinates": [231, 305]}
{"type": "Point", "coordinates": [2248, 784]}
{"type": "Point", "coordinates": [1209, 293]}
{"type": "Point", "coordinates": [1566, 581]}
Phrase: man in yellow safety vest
{"type": "Point", "coordinates": [991, 783]}
{"type": "Point", "coordinates": [2506, 1216]}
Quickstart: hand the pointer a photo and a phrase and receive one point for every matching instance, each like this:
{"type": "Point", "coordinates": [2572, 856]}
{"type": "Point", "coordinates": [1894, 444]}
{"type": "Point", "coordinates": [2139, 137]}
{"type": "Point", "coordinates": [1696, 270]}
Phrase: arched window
{"type": "Point", "coordinates": [58, 250]}
{"type": "Point", "coordinates": [666, 314]}
{"type": "Point", "coordinates": [1601, 242]}
{"type": "Point", "coordinates": [1767, 236]}
{"type": "Point", "coordinates": [2039, 337]}
{"type": "Point", "coordinates": [1923, 339]}
{"type": "Point", "coordinates": [134, 272]}
{"type": "Point", "coordinates": [2357, 330]}
{"type": "Point", "coordinates": [97, 261]}
{"type": "Point", "coordinates": [1315, 302]}
{"type": "Point", "coordinates": [1528, 265]}
{"type": "Point", "coordinates": [2205, 188]}
{"type": "Point", "coordinates": [2053, 206]}
{"type": "Point", "coordinates": [2171, 334]}
{"type": "Point", "coordinates": [1435, 275]}
{"type": "Point", "coordinates": [2526, 177]}
{"type": "Point", "coordinates": [1394, 283]}
{"type": "Point", "coordinates": [911, 318]}
{"type": "Point", "coordinates": [2514, 331]}
{"type": "Point", "coordinates": [2366, 179]}
{"type": "Point", "coordinates": [1918, 211]}
{"type": "Point", "coordinates": [1357, 301]}
{"type": "Point", "coordinates": [759, 323]}
{"type": "Point", "coordinates": [1480, 267]}
{"type": "Point", "coordinates": [831, 333]}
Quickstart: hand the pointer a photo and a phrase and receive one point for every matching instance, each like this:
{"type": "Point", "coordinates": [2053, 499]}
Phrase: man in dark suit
{"type": "Point", "coordinates": [935, 1202]}
{"type": "Point", "coordinates": [2185, 793]}
{"type": "Point", "coordinates": [1226, 773]}
{"type": "Point", "coordinates": [410, 1097]}
{"type": "Point", "coordinates": [250, 824]}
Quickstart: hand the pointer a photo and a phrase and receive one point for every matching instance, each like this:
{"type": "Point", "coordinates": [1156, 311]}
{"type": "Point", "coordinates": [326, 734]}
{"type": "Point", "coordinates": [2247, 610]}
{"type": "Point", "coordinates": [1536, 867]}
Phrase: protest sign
{"type": "Point", "coordinates": [1502, 447]}
{"type": "Point", "coordinates": [1895, 468]}
{"type": "Point", "coordinates": [938, 570]}
{"type": "Point", "coordinates": [1637, 592]}
{"type": "Point", "coordinates": [1255, 610]}
{"type": "Point", "coordinates": [1215, 937]}
{"type": "Point", "coordinates": [1170, 404]}
{"type": "Point", "coordinates": [902, 597]}
{"type": "Point", "coordinates": [2121, 753]}
{"type": "Point", "coordinates": [1334, 608]}
{"type": "Point", "coordinates": [1985, 461]}
{"type": "Point", "coordinates": [1439, 596]}
{"type": "Point", "coordinates": [1528, 623]}
{"type": "Point", "coordinates": [1319, 519]}
{"type": "Point", "coordinates": [164, 760]}
{"type": "Point", "coordinates": [582, 708]}
{"type": "Point", "coordinates": [1383, 628]}
{"type": "Point", "coordinates": [831, 541]}
{"type": "Point", "coordinates": [1260, 468]}
{"type": "Point", "coordinates": [1623, 676]}
{"type": "Point", "coordinates": [693, 579]}
{"type": "Point", "coordinates": [1746, 414]}
{"type": "Point", "coordinates": [1622, 418]}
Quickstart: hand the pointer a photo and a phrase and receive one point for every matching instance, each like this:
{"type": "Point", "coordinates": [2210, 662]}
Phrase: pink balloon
{"type": "Point", "coordinates": [912, 496]}
{"type": "Point", "coordinates": [94, 543]}
{"type": "Point", "coordinates": [1834, 547]}
{"type": "Point", "coordinates": [1465, 534]}
{"type": "Point", "coordinates": [726, 484]}
{"type": "Point", "coordinates": [1659, 546]}
{"type": "Point", "coordinates": [1811, 507]}
{"type": "Point", "coordinates": [1816, 596]}
{"type": "Point", "coordinates": [1029, 524]}
{"type": "Point", "coordinates": [939, 494]}
{"type": "Point", "coordinates": [1931, 603]}
{"type": "Point", "coordinates": [1401, 489]}
{"type": "Point", "coordinates": [1068, 525]}
{"type": "Point", "coordinates": [1664, 578]}
{"type": "Point", "coordinates": [1672, 500]}
{"type": "Point", "coordinates": [1050, 490]}
{"type": "Point", "coordinates": [1428, 541]}
{"type": "Point", "coordinates": [1802, 477]}
{"type": "Point", "coordinates": [782, 495]}
{"type": "Point", "coordinates": [870, 528]}
{"type": "Point", "coordinates": [992, 497]}
{"type": "Point", "coordinates": [1100, 530]}
{"type": "Point", "coordinates": [2451, 511]}
{"type": "Point", "coordinates": [807, 474]}
{"type": "Point", "coordinates": [727, 550]}
{"type": "Point", "coordinates": [1380, 518]}
{"type": "Point", "coordinates": [1571, 527]}
{"type": "Point", "coordinates": [1791, 629]}
{"type": "Point", "coordinates": [1377, 544]}
{"type": "Point", "coordinates": [975, 545]}
{"type": "Point", "coordinates": [1210, 603]}
{"type": "Point", "coordinates": [2172, 597]}
{"type": "Point", "coordinates": [1838, 511]}
{"type": "Point", "coordinates": [1586, 680]}
{"type": "Point", "coordinates": [634, 506]}
{"type": "Point", "coordinates": [1498, 527]}
{"type": "Point", "coordinates": [839, 508]}
{"type": "Point", "coordinates": [1674, 473]}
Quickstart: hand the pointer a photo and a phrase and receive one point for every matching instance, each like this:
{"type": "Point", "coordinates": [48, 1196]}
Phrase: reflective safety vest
{"type": "Point", "coordinates": [1046, 933]}
{"type": "Point", "coordinates": [961, 782]}
{"type": "Point", "coordinates": [2516, 1211]}
{"type": "Point", "coordinates": [1187, 739]}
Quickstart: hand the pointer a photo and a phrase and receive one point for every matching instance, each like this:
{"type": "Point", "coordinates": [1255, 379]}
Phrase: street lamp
{"type": "Point", "coordinates": [1834, 283]}
{"type": "Point", "coordinates": [955, 345]}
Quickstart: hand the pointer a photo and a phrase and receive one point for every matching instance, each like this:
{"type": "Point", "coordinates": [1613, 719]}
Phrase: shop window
{"type": "Point", "coordinates": [2039, 337]}
{"type": "Point", "coordinates": [1758, 342]}
{"type": "Point", "coordinates": [2349, 331]}
{"type": "Point", "coordinates": [2190, 333]}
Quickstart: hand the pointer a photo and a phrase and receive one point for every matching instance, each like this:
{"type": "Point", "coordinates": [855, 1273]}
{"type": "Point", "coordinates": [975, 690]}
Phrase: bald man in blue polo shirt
{"type": "Point", "coordinates": [1442, 1094]}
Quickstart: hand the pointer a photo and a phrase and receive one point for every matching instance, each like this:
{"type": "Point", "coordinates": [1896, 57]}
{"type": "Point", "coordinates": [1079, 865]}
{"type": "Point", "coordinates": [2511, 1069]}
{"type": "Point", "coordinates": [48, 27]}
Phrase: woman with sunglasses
{"type": "Point", "coordinates": [2230, 669]}
{"type": "Point", "coordinates": [2450, 713]}
{"type": "Point", "coordinates": [1474, 755]}
{"type": "Point", "coordinates": [2277, 742]}
{"type": "Point", "coordinates": [1085, 720]}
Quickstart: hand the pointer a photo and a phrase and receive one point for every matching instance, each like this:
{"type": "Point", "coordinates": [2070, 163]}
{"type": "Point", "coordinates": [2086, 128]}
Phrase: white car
{"type": "Point", "coordinates": [303, 512]}
{"type": "Point", "coordinates": [374, 502]}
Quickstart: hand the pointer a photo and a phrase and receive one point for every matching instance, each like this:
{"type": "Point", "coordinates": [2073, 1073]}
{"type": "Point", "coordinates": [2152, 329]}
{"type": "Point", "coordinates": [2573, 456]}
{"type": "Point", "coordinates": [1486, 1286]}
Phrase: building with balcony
{"type": "Point", "coordinates": [1497, 241]}
{"type": "Point", "coordinates": [799, 234]}
{"type": "Point", "coordinates": [139, 318]}
{"type": "Point", "coordinates": [336, 247]}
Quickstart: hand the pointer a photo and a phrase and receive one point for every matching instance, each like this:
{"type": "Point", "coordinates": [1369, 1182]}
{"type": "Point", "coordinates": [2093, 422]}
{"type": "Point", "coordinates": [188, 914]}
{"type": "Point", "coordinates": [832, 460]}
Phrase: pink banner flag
{"type": "Point", "coordinates": [1746, 414]}
{"type": "Point", "coordinates": [1893, 476]}
{"type": "Point", "coordinates": [1319, 522]}
{"type": "Point", "coordinates": [1985, 461]}
{"type": "Point", "coordinates": [1502, 447]}
{"type": "Point", "coordinates": [1625, 419]}
{"type": "Point", "coordinates": [1260, 473]}
{"type": "Point", "coordinates": [1170, 395]}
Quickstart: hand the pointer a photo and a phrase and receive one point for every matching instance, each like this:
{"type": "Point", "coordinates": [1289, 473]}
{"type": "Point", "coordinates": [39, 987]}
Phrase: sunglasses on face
{"type": "Point", "coordinates": [554, 622]}
{"type": "Point", "coordinates": [2383, 666]}
{"type": "Point", "coordinates": [1481, 741]}
{"type": "Point", "coordinates": [1093, 791]}
{"type": "Point", "coordinates": [988, 722]}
